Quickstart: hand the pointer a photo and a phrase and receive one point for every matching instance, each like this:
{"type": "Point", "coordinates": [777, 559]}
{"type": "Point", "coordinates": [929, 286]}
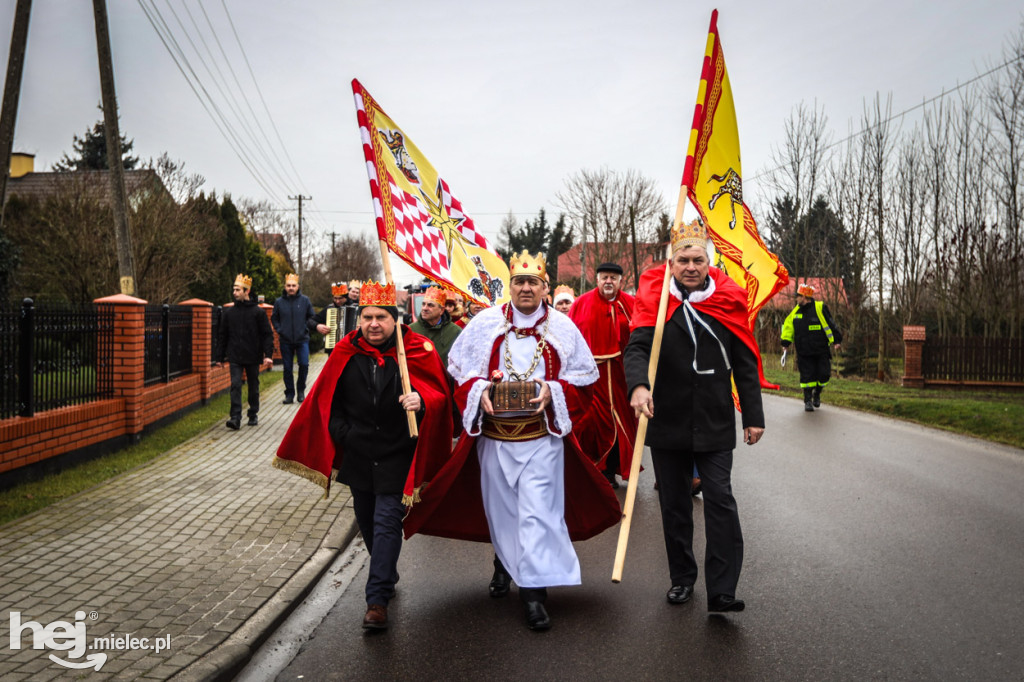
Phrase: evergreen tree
{"type": "Point", "coordinates": [90, 152]}
{"type": "Point", "coordinates": [559, 242]}
{"type": "Point", "coordinates": [9, 259]}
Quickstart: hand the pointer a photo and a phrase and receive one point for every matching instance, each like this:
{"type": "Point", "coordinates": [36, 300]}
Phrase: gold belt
{"type": "Point", "coordinates": [529, 427]}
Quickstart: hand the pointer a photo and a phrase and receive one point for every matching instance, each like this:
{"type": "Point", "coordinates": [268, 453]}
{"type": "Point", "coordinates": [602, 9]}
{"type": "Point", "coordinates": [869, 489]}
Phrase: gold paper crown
{"type": "Point", "coordinates": [354, 284]}
{"type": "Point", "coordinates": [526, 264]}
{"type": "Point", "coordinates": [564, 289]}
{"type": "Point", "coordinates": [243, 281]}
{"type": "Point", "coordinates": [454, 296]}
{"type": "Point", "coordinates": [693, 234]}
{"type": "Point", "coordinates": [805, 290]}
{"type": "Point", "coordinates": [377, 294]}
{"type": "Point", "coordinates": [435, 294]}
{"type": "Point", "coordinates": [292, 277]}
{"type": "Point", "coordinates": [339, 289]}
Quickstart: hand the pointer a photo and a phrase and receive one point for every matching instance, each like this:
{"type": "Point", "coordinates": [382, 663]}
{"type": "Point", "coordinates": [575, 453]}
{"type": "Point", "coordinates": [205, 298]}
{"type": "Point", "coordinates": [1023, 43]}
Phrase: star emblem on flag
{"type": "Point", "coordinates": [441, 218]}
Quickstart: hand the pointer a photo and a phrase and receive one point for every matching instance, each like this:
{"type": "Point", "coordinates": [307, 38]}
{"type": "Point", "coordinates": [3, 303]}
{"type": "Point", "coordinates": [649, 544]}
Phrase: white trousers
{"type": "Point", "coordinates": [523, 491]}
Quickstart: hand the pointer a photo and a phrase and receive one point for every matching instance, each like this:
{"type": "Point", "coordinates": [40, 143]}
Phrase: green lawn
{"type": "Point", "coordinates": [993, 415]}
{"type": "Point", "coordinates": [27, 497]}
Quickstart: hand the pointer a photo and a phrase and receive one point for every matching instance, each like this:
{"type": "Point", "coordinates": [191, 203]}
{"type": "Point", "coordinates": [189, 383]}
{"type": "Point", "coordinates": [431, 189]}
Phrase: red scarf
{"type": "Point", "coordinates": [728, 305]}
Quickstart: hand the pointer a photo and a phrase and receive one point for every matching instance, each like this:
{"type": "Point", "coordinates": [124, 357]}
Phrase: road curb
{"type": "Point", "coordinates": [229, 658]}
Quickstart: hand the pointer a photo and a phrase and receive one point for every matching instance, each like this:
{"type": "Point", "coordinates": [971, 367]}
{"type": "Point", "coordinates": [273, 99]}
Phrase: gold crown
{"type": "Point", "coordinates": [377, 294]}
{"type": "Point", "coordinates": [354, 284]}
{"type": "Point", "coordinates": [805, 290]}
{"type": "Point", "coordinates": [339, 289]}
{"type": "Point", "coordinates": [693, 234]}
{"type": "Point", "coordinates": [435, 294]}
{"type": "Point", "coordinates": [564, 289]}
{"type": "Point", "coordinates": [243, 281]}
{"type": "Point", "coordinates": [526, 264]}
{"type": "Point", "coordinates": [291, 278]}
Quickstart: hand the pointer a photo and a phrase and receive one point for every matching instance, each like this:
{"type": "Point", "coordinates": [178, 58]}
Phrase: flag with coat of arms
{"type": "Point", "coordinates": [419, 217]}
{"type": "Point", "coordinates": [714, 180]}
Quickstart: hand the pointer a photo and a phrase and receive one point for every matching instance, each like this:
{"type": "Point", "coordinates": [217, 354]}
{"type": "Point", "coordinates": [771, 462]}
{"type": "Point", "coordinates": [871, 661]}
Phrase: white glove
{"type": "Point", "coordinates": [782, 361]}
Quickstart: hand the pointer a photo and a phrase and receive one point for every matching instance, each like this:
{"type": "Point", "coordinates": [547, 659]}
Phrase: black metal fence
{"type": "Point", "coordinates": [168, 343]}
{"type": "Point", "coordinates": [973, 359]}
{"type": "Point", "coordinates": [214, 332]}
{"type": "Point", "coordinates": [54, 356]}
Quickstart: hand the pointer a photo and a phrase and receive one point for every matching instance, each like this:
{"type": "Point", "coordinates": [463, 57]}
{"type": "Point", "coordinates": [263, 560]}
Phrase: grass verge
{"type": "Point", "coordinates": [993, 415]}
{"type": "Point", "coordinates": [27, 497]}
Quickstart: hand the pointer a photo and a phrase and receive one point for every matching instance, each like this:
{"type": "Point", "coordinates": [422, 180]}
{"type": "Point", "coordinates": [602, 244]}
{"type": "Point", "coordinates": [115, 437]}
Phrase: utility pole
{"type": "Point", "coordinates": [12, 92]}
{"type": "Point", "coordinates": [300, 199]}
{"type": "Point", "coordinates": [583, 258]}
{"type": "Point", "coordinates": [333, 235]}
{"type": "Point", "coordinates": [118, 195]}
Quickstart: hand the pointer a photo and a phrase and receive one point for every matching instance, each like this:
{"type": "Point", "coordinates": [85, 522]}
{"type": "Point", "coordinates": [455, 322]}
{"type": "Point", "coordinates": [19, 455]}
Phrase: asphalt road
{"type": "Point", "coordinates": [874, 550]}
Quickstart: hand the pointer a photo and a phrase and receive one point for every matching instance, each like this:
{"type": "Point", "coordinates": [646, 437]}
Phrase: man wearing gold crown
{"type": "Point", "coordinates": [516, 465]}
{"type": "Point", "coordinates": [455, 309]}
{"type": "Point", "coordinates": [355, 422]}
{"type": "Point", "coordinates": [603, 315]}
{"type": "Point", "coordinates": [706, 346]}
{"type": "Point", "coordinates": [564, 296]}
{"type": "Point", "coordinates": [246, 341]}
{"type": "Point", "coordinates": [339, 298]}
{"type": "Point", "coordinates": [354, 288]}
{"type": "Point", "coordinates": [292, 314]}
{"type": "Point", "coordinates": [435, 323]}
{"type": "Point", "coordinates": [810, 324]}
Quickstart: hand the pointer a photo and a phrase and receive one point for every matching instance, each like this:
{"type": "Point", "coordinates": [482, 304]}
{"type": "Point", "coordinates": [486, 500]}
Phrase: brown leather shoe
{"type": "Point", "coordinates": [376, 617]}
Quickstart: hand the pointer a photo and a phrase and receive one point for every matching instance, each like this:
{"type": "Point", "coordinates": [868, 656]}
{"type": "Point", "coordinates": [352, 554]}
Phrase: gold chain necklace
{"type": "Point", "coordinates": [537, 352]}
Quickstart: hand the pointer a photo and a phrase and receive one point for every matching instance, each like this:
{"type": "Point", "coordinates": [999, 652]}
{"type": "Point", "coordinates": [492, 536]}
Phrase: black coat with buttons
{"type": "Point", "coordinates": [695, 411]}
{"type": "Point", "coordinates": [370, 425]}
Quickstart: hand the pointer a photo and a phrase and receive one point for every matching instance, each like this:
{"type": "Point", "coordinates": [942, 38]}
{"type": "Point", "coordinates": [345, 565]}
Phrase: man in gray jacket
{"type": "Point", "coordinates": [290, 318]}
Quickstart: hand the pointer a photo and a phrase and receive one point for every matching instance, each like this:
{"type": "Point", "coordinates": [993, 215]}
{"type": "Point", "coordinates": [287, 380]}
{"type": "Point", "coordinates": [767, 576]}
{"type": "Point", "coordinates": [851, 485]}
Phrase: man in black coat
{"type": "Point", "coordinates": [246, 341]}
{"type": "Point", "coordinates": [291, 316]}
{"type": "Point", "coordinates": [705, 344]}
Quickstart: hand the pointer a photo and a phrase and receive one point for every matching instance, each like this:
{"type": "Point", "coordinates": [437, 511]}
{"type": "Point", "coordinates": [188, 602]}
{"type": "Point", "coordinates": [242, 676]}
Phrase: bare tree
{"type": "Point", "coordinates": [603, 202]}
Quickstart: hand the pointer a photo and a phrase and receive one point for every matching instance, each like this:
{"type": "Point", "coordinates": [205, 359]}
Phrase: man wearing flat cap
{"type": "Point", "coordinates": [706, 346]}
{"type": "Point", "coordinates": [603, 316]}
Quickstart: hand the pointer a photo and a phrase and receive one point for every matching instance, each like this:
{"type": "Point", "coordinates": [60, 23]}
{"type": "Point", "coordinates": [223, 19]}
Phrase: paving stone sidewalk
{"type": "Point", "coordinates": [208, 544]}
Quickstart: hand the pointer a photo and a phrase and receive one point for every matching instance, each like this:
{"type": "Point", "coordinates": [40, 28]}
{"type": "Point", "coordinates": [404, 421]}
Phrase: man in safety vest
{"type": "Point", "coordinates": [810, 325]}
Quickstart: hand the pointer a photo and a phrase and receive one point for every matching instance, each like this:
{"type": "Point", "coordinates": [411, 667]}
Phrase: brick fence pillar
{"type": "Point", "coordinates": [913, 356]}
{"type": "Point", "coordinates": [202, 345]}
{"type": "Point", "coordinates": [128, 364]}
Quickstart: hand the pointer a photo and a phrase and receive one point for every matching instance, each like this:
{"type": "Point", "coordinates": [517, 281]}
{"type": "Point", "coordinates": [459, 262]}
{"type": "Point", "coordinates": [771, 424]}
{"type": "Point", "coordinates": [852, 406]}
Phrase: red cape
{"type": "Point", "coordinates": [452, 505]}
{"type": "Point", "coordinates": [728, 305]}
{"type": "Point", "coordinates": [605, 326]}
{"type": "Point", "coordinates": [307, 449]}
{"type": "Point", "coordinates": [592, 313]}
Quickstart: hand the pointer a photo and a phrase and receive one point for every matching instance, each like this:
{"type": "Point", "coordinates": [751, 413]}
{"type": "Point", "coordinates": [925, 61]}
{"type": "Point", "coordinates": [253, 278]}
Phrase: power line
{"type": "Point", "coordinates": [892, 118]}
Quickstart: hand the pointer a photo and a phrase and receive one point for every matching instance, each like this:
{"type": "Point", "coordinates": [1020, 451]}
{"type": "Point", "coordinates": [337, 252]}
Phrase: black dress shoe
{"type": "Point", "coordinates": [722, 604]}
{"type": "Point", "coordinates": [253, 420]}
{"type": "Point", "coordinates": [301, 396]}
{"type": "Point", "coordinates": [287, 401]}
{"type": "Point", "coordinates": [233, 424]}
{"type": "Point", "coordinates": [501, 581]}
{"type": "Point", "coordinates": [679, 594]}
{"type": "Point", "coordinates": [537, 616]}
{"type": "Point", "coordinates": [610, 475]}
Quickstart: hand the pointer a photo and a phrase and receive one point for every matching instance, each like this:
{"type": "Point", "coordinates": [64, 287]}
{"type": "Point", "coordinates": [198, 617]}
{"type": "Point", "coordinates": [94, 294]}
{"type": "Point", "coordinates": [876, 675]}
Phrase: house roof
{"type": "Point", "coordinates": [569, 262]}
{"type": "Point", "coordinates": [826, 288]}
{"type": "Point", "coordinates": [93, 182]}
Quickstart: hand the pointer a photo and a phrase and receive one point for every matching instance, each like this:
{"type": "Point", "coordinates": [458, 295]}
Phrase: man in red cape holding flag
{"type": "Point", "coordinates": [354, 421]}
{"type": "Point", "coordinates": [706, 346]}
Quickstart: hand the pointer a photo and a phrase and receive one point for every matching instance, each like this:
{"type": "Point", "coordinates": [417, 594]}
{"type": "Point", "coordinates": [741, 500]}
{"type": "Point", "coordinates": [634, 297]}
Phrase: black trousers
{"type": "Point", "coordinates": [252, 375]}
{"type": "Point", "coordinates": [815, 369]}
{"type": "Point", "coordinates": [723, 557]}
{"type": "Point", "coordinates": [380, 522]}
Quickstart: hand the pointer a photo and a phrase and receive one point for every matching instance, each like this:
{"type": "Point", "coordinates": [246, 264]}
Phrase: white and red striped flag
{"type": "Point", "coordinates": [418, 217]}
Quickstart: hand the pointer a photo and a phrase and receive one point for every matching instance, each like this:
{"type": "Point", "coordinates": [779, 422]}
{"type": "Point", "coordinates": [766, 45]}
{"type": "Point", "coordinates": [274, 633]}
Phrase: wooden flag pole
{"type": "Point", "coordinates": [403, 368]}
{"type": "Point", "coordinates": [652, 369]}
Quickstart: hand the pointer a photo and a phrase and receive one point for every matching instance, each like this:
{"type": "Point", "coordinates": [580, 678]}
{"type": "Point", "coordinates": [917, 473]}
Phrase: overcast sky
{"type": "Point", "coordinates": [507, 99]}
